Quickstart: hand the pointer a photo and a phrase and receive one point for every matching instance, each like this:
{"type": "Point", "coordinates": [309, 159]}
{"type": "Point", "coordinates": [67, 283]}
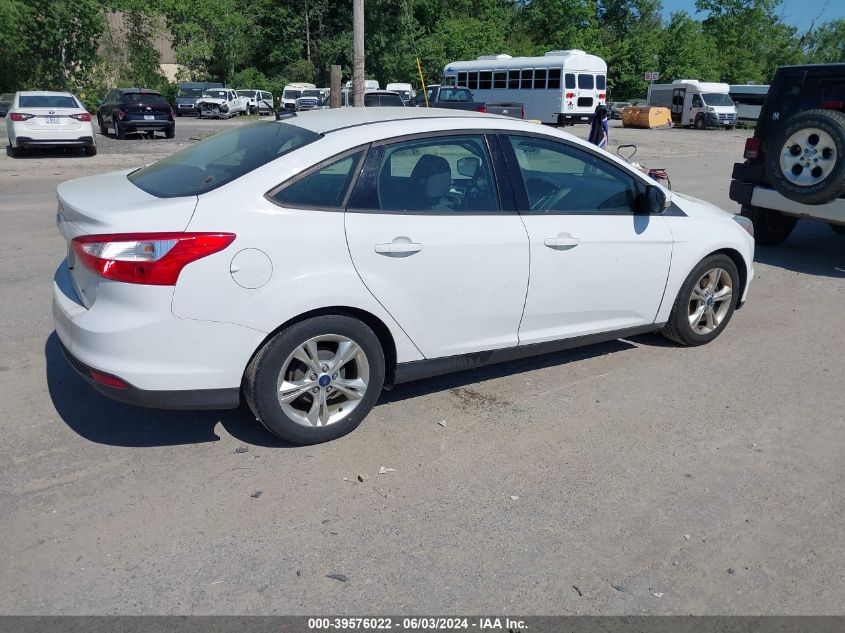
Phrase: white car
{"type": "Point", "coordinates": [258, 101]}
{"type": "Point", "coordinates": [309, 261]}
{"type": "Point", "coordinates": [221, 103]}
{"type": "Point", "coordinates": [49, 119]}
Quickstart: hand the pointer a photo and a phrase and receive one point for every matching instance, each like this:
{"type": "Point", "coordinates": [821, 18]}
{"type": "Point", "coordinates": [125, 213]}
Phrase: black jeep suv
{"type": "Point", "coordinates": [795, 162]}
{"type": "Point", "coordinates": [129, 110]}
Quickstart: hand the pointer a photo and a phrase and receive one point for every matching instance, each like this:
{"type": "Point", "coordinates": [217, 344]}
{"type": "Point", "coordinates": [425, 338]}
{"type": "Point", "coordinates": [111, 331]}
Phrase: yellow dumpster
{"type": "Point", "coordinates": [646, 117]}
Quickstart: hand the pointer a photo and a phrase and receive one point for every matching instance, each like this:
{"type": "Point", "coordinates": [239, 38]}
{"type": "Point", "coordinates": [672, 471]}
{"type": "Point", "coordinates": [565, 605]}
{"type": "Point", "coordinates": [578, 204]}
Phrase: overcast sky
{"type": "Point", "coordinates": [800, 13]}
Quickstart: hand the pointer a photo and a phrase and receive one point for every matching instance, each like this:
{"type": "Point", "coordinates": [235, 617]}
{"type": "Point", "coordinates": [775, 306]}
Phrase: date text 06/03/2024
{"type": "Point", "coordinates": [417, 623]}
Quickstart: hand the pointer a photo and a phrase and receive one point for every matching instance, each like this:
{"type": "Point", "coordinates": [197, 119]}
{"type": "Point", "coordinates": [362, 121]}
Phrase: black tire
{"type": "Point", "coordinates": [103, 129]}
{"type": "Point", "coordinates": [729, 127]}
{"type": "Point", "coordinates": [831, 186]}
{"type": "Point", "coordinates": [119, 132]}
{"type": "Point", "coordinates": [770, 227]}
{"type": "Point", "coordinates": [839, 229]}
{"type": "Point", "coordinates": [170, 132]}
{"type": "Point", "coordinates": [199, 114]}
{"type": "Point", "coordinates": [17, 152]}
{"type": "Point", "coordinates": [678, 328]}
{"type": "Point", "coordinates": [700, 122]}
{"type": "Point", "coordinates": [90, 150]}
{"type": "Point", "coordinates": [260, 379]}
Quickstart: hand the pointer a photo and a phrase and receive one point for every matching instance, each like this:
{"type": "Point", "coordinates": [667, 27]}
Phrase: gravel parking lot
{"type": "Point", "coordinates": [625, 478]}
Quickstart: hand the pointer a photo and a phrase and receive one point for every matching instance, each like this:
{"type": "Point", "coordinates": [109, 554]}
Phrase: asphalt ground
{"type": "Point", "coordinates": [625, 478]}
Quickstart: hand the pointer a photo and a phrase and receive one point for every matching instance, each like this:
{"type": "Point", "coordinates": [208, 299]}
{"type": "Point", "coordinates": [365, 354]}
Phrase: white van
{"type": "Point", "coordinates": [369, 84]}
{"type": "Point", "coordinates": [403, 89]}
{"type": "Point", "coordinates": [692, 102]}
{"type": "Point", "coordinates": [561, 87]}
{"type": "Point", "coordinates": [292, 92]}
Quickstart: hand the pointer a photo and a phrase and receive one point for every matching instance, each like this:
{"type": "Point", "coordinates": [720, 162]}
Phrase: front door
{"type": "Point", "coordinates": [596, 266]}
{"type": "Point", "coordinates": [678, 105]}
{"type": "Point", "coordinates": [431, 241]}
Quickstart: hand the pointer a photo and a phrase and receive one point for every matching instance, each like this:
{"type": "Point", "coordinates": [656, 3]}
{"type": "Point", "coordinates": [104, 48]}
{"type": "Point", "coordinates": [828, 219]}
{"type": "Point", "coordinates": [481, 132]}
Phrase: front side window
{"type": "Point", "coordinates": [696, 101]}
{"type": "Point", "coordinates": [441, 175]}
{"type": "Point", "coordinates": [562, 179]}
{"type": "Point", "coordinates": [585, 82]}
{"type": "Point", "coordinates": [220, 159]}
{"type": "Point", "coordinates": [324, 188]}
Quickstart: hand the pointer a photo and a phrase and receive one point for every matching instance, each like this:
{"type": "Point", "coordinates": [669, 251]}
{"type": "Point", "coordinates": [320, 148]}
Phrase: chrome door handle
{"type": "Point", "coordinates": [562, 242]}
{"type": "Point", "coordinates": [398, 249]}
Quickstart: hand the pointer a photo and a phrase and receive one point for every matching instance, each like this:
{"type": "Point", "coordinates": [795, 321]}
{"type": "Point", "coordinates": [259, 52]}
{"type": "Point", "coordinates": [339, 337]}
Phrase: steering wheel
{"type": "Point", "coordinates": [541, 187]}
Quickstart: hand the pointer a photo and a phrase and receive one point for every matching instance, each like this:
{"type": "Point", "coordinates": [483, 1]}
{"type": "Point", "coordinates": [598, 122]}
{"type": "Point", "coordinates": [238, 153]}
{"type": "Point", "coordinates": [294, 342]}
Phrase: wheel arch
{"type": "Point", "coordinates": [741, 267]}
{"type": "Point", "coordinates": [382, 332]}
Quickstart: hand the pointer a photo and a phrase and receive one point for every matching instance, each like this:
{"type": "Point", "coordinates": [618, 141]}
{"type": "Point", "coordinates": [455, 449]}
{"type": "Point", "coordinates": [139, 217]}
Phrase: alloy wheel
{"type": "Point", "coordinates": [710, 301]}
{"type": "Point", "coordinates": [808, 156]}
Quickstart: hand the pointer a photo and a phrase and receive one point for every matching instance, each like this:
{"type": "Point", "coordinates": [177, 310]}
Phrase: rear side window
{"type": "Point", "coordinates": [220, 159]}
{"type": "Point", "coordinates": [47, 101]}
{"type": "Point", "coordinates": [325, 187]}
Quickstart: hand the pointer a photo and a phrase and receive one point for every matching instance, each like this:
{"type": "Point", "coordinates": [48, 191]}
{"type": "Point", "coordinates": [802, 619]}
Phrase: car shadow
{"type": "Point", "coordinates": [813, 249]}
{"type": "Point", "coordinates": [104, 421]}
{"type": "Point", "coordinates": [457, 380]}
{"type": "Point", "coordinates": [31, 153]}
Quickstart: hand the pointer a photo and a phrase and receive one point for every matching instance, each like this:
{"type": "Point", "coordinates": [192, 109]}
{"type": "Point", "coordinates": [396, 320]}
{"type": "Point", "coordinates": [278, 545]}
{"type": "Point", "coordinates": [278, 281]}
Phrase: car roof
{"type": "Point", "coordinates": [326, 121]}
{"type": "Point", "coordinates": [44, 93]}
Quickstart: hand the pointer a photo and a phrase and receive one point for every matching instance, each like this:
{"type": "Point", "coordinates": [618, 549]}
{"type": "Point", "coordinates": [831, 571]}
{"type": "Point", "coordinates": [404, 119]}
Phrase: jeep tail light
{"type": "Point", "coordinates": [81, 117]}
{"type": "Point", "coordinates": [20, 116]}
{"type": "Point", "coordinates": [833, 105]}
{"type": "Point", "coordinates": [146, 258]}
{"type": "Point", "coordinates": [752, 148]}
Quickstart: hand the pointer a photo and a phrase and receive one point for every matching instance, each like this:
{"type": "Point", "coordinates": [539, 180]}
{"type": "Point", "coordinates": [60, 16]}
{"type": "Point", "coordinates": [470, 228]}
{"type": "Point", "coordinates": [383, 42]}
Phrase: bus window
{"type": "Point", "coordinates": [585, 82]}
{"type": "Point", "coordinates": [486, 80]}
{"type": "Point", "coordinates": [462, 79]}
{"type": "Point", "coordinates": [540, 79]}
{"type": "Point", "coordinates": [500, 79]}
{"type": "Point", "coordinates": [513, 79]}
{"type": "Point", "coordinates": [601, 83]}
{"type": "Point", "coordinates": [570, 80]}
{"type": "Point", "coordinates": [472, 81]}
{"type": "Point", "coordinates": [554, 78]}
{"type": "Point", "coordinates": [527, 75]}
{"type": "Point", "coordinates": [448, 80]}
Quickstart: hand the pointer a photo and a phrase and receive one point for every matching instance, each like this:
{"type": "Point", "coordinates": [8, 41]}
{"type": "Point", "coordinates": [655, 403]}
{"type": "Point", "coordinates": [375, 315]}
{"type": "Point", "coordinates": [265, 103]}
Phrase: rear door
{"type": "Point", "coordinates": [439, 244]}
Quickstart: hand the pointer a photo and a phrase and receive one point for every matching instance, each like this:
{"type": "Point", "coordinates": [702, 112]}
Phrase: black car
{"type": "Point", "coordinates": [795, 162]}
{"type": "Point", "coordinates": [135, 110]}
{"type": "Point", "coordinates": [5, 103]}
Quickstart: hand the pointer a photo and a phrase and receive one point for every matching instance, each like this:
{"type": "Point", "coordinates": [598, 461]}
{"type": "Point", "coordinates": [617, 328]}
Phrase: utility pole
{"type": "Point", "coordinates": [358, 56]}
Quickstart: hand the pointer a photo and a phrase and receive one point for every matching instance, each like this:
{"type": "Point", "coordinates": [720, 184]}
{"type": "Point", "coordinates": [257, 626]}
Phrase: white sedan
{"type": "Point", "coordinates": [308, 262]}
{"type": "Point", "coordinates": [49, 119]}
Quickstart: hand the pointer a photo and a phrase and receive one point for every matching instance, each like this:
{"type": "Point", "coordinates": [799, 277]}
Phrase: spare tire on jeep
{"type": "Point", "coordinates": [805, 160]}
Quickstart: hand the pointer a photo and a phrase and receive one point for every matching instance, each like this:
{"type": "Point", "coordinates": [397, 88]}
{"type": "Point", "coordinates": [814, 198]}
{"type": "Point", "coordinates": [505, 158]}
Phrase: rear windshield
{"type": "Point", "coordinates": [145, 97]}
{"type": "Point", "coordinates": [383, 101]}
{"type": "Point", "coordinates": [47, 101]}
{"type": "Point", "coordinates": [220, 159]}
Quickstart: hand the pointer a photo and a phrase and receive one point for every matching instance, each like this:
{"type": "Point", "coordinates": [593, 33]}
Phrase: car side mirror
{"type": "Point", "coordinates": [468, 165]}
{"type": "Point", "coordinates": [654, 200]}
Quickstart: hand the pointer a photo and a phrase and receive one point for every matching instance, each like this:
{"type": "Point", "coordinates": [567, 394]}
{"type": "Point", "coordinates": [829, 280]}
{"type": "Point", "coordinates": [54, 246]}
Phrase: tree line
{"type": "Point", "coordinates": [66, 44]}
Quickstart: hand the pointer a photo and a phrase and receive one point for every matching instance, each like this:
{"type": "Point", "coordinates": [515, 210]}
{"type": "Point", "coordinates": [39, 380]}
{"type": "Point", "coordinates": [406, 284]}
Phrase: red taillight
{"type": "Point", "coordinates": [752, 148]}
{"type": "Point", "coordinates": [81, 117]}
{"type": "Point", "coordinates": [20, 116]}
{"type": "Point", "coordinates": [120, 114]}
{"type": "Point", "coordinates": [833, 105]}
{"type": "Point", "coordinates": [107, 379]}
{"type": "Point", "coordinates": [481, 108]}
{"type": "Point", "coordinates": [569, 95]}
{"type": "Point", "coordinates": [146, 258]}
{"type": "Point", "coordinates": [602, 95]}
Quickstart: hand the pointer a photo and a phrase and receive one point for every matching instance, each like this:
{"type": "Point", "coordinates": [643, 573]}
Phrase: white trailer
{"type": "Point", "coordinates": [692, 102]}
{"type": "Point", "coordinates": [749, 100]}
{"type": "Point", "coordinates": [561, 87]}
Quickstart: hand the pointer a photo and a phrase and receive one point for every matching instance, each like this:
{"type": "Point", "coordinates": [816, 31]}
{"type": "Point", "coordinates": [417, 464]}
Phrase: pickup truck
{"type": "Point", "coordinates": [456, 98]}
{"type": "Point", "coordinates": [221, 103]}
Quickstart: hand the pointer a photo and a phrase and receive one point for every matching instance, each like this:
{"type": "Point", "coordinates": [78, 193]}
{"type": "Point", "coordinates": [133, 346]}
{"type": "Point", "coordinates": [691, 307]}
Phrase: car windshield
{"type": "Point", "coordinates": [220, 159]}
{"type": "Point", "coordinates": [292, 94]}
{"type": "Point", "coordinates": [214, 94]}
{"type": "Point", "coordinates": [246, 93]}
{"type": "Point", "coordinates": [311, 93]}
{"type": "Point", "coordinates": [189, 92]}
{"type": "Point", "coordinates": [717, 99]}
{"type": "Point", "coordinates": [47, 101]}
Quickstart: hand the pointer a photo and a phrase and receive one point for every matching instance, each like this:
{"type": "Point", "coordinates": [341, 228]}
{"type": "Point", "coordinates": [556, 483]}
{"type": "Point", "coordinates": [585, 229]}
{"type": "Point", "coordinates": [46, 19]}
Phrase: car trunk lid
{"type": "Point", "coordinates": [52, 119]}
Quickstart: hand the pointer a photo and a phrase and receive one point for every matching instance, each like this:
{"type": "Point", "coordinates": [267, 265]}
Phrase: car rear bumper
{"type": "Point", "coordinates": [132, 125]}
{"type": "Point", "coordinates": [80, 141]}
{"type": "Point", "coordinates": [130, 333]}
{"type": "Point", "coordinates": [752, 195]}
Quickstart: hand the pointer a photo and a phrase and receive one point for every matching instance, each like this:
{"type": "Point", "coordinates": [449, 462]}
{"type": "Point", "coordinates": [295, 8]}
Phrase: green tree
{"type": "Point", "coordinates": [826, 44]}
{"type": "Point", "coordinates": [686, 52]}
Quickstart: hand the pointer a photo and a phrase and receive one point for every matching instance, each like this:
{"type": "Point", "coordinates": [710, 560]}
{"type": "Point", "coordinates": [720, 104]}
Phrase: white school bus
{"type": "Point", "coordinates": [561, 87]}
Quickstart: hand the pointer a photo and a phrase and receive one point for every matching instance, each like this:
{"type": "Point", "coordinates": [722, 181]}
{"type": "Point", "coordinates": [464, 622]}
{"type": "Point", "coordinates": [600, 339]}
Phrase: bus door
{"type": "Point", "coordinates": [678, 95]}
